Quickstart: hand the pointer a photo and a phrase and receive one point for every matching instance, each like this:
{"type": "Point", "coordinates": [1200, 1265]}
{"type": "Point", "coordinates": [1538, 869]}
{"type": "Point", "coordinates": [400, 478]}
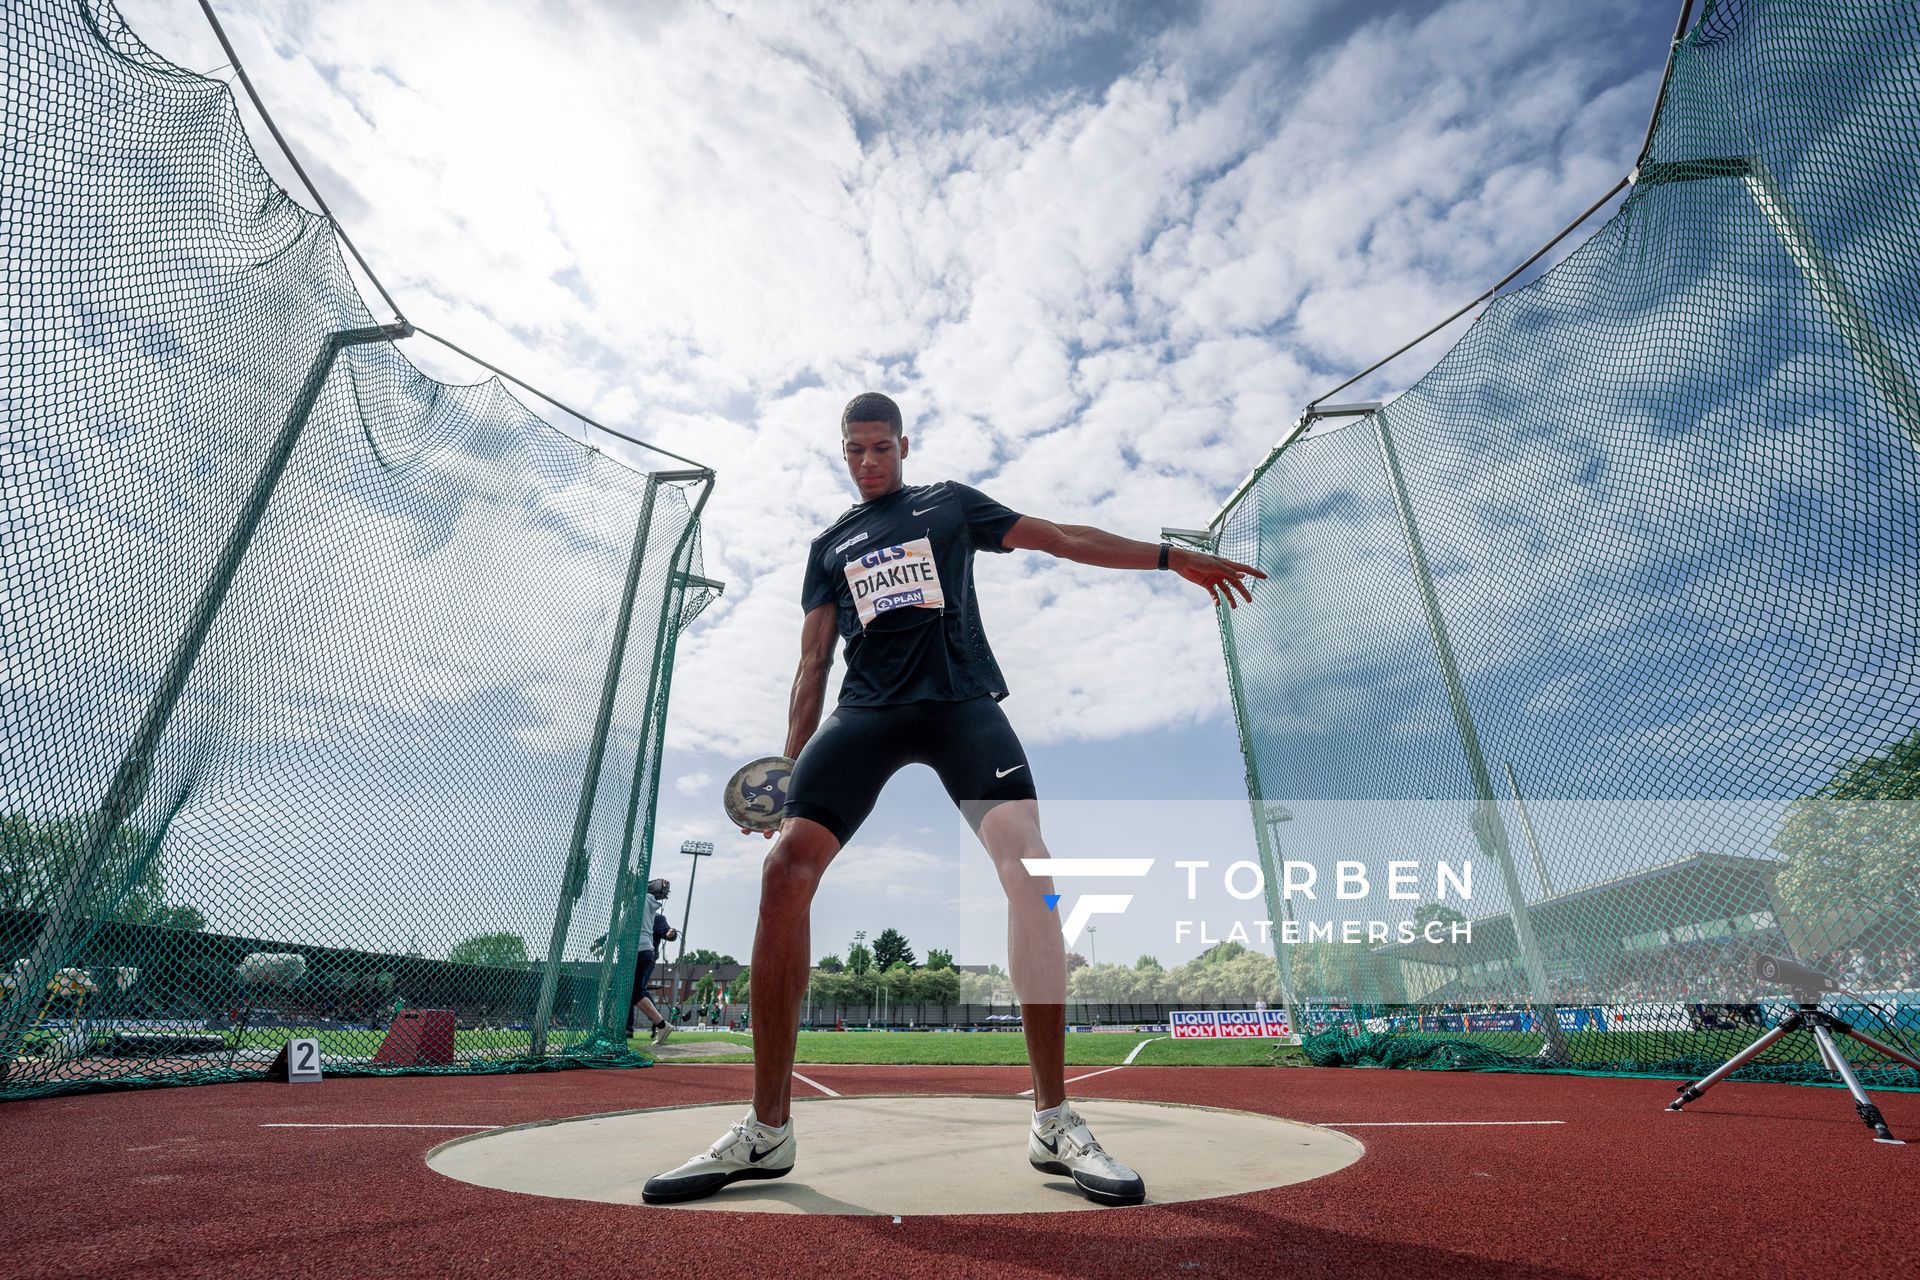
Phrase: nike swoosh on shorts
{"type": "Point", "coordinates": [1001, 773]}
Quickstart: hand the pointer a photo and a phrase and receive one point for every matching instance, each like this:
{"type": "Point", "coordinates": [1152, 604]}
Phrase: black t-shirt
{"type": "Point", "coordinates": [900, 570]}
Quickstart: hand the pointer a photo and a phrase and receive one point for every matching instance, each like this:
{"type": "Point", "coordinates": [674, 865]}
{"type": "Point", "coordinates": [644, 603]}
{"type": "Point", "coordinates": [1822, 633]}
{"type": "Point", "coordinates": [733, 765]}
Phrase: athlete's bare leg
{"type": "Point", "coordinates": [1035, 951]}
{"type": "Point", "coordinates": [792, 872]}
{"type": "Point", "coordinates": [648, 1007]}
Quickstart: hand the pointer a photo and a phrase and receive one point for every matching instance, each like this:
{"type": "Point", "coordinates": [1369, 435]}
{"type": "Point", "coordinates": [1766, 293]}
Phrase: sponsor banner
{"type": "Point", "coordinates": [1515, 1020]}
{"type": "Point", "coordinates": [1192, 1025]}
{"type": "Point", "coordinates": [1317, 1020]}
{"type": "Point", "coordinates": [1230, 1024]}
{"type": "Point", "coordinates": [1587, 1019]}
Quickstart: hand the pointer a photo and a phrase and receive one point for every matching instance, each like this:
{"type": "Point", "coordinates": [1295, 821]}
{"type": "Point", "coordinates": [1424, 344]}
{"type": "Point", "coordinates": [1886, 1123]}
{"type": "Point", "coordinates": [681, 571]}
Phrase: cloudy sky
{"type": "Point", "coordinates": [1101, 254]}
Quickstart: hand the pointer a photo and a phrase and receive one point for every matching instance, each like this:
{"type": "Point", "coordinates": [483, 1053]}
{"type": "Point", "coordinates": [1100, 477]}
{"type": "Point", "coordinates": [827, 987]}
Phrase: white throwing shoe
{"type": "Point", "coordinates": [747, 1150]}
{"type": "Point", "coordinates": [1064, 1144]}
{"type": "Point", "coordinates": [660, 1034]}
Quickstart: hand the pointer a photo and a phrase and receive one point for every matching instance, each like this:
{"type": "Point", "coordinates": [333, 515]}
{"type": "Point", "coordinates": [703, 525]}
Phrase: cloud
{"type": "Point", "coordinates": [1101, 256]}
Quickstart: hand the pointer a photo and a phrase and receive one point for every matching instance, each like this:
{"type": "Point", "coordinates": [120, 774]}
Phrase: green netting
{"type": "Point", "coordinates": [331, 694]}
{"type": "Point", "coordinates": [1621, 601]}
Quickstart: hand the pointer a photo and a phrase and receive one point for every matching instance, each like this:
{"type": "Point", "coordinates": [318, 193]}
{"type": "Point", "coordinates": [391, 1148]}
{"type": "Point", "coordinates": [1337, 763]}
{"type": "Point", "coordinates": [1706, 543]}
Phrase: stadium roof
{"type": "Point", "coordinates": [1692, 890]}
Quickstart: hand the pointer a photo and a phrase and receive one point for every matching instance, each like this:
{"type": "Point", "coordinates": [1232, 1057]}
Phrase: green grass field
{"type": "Point", "coordinates": [1601, 1050]}
{"type": "Point", "coordinates": [1008, 1048]}
{"type": "Point", "coordinates": [994, 1048]}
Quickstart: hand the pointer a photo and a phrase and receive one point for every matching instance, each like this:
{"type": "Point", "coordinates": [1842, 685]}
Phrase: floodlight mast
{"type": "Point", "coordinates": [695, 849]}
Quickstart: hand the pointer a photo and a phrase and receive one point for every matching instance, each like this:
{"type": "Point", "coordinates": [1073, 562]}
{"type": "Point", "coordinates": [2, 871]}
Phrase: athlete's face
{"type": "Point", "coordinates": [873, 455]}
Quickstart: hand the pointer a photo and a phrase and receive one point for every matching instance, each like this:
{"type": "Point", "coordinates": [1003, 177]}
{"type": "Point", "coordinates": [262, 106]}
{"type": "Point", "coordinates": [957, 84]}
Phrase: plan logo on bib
{"type": "Point", "coordinates": [898, 577]}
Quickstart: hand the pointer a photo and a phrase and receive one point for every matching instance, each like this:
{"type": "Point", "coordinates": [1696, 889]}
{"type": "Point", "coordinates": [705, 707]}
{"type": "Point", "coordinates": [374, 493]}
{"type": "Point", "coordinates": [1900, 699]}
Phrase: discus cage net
{"type": "Point", "coordinates": [1621, 602]}
{"type": "Point", "coordinates": [331, 695]}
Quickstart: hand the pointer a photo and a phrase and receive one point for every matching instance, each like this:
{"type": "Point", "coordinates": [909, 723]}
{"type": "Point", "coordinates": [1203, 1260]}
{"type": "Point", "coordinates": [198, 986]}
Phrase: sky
{"type": "Point", "coordinates": [1102, 256]}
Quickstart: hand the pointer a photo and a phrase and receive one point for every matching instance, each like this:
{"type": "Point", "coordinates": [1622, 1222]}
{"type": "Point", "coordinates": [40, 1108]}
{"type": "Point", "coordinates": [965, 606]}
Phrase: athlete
{"type": "Point", "coordinates": [654, 930]}
{"type": "Point", "coordinates": [893, 578]}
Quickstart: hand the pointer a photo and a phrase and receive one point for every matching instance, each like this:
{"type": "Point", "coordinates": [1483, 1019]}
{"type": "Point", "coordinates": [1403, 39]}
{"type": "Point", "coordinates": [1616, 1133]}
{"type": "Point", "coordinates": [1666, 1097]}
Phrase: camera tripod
{"type": "Point", "coordinates": [1823, 1025]}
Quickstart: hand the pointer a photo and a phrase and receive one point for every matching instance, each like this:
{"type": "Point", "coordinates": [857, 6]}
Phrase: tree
{"type": "Point", "coordinates": [502, 950]}
{"type": "Point", "coordinates": [890, 948]}
{"type": "Point", "coordinates": [1148, 964]}
{"type": "Point", "coordinates": [704, 956]}
{"type": "Point", "coordinates": [830, 964]}
{"type": "Point", "coordinates": [738, 990]}
{"type": "Point", "coordinates": [1435, 911]}
{"type": "Point", "coordinates": [859, 959]}
{"type": "Point", "coordinates": [1075, 960]}
{"type": "Point", "coordinates": [704, 990]}
{"type": "Point", "coordinates": [37, 856]}
{"type": "Point", "coordinates": [835, 988]}
{"type": "Point", "coordinates": [979, 988]}
{"type": "Point", "coordinates": [938, 959]}
{"type": "Point", "coordinates": [1850, 851]}
{"type": "Point", "coordinates": [935, 986]}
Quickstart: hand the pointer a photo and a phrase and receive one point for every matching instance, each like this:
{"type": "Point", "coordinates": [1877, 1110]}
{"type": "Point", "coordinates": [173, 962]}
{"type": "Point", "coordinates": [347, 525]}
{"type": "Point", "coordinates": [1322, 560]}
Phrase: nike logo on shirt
{"type": "Point", "coordinates": [935, 507]}
{"type": "Point", "coordinates": [1001, 773]}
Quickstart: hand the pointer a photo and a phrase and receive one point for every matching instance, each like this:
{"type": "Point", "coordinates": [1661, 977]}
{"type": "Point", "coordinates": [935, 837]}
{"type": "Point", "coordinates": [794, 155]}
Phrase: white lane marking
{"type": "Point", "coordinates": [1137, 1048]}
{"type": "Point", "coordinates": [1075, 1079]}
{"type": "Point", "coordinates": [816, 1084]}
{"type": "Point", "coordinates": [1419, 1124]}
{"type": "Point", "coordinates": [379, 1126]}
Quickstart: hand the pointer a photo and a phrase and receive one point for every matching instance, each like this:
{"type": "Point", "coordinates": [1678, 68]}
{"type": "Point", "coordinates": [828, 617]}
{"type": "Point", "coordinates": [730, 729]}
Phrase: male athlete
{"type": "Point", "coordinates": [894, 578]}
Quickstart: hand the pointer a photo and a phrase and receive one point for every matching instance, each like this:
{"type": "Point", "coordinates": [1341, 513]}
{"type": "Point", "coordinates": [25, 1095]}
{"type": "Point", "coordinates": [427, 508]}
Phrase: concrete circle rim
{"type": "Point", "coordinates": [1352, 1148]}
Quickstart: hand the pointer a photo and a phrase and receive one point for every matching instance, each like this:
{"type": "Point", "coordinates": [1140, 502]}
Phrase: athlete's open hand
{"type": "Point", "coordinates": [1221, 577]}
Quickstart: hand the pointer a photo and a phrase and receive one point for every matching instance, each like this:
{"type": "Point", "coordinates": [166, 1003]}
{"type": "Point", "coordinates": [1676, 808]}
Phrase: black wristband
{"type": "Point", "coordinates": [1166, 548]}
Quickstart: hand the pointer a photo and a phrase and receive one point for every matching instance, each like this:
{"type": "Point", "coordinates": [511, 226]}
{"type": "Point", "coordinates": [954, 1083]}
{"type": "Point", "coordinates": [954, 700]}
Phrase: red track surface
{"type": "Point", "coordinates": [187, 1182]}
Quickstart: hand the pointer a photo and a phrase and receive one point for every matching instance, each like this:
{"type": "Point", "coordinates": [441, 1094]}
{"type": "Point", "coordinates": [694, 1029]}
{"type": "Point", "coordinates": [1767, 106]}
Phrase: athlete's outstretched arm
{"type": "Point", "coordinates": [817, 634]}
{"type": "Point", "coordinates": [1085, 544]}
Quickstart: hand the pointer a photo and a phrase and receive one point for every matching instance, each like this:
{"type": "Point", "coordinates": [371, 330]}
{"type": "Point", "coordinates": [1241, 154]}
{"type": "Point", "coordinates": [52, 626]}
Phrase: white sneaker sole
{"type": "Point", "coordinates": [1099, 1195]}
{"type": "Point", "coordinates": [700, 1186]}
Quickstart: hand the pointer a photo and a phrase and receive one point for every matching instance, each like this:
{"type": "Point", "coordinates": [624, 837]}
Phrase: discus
{"type": "Point", "coordinates": [756, 794]}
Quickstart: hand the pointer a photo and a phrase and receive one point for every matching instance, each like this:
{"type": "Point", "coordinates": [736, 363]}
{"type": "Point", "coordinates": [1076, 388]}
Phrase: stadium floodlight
{"type": "Point", "coordinates": [1276, 901]}
{"type": "Point", "coordinates": [695, 849]}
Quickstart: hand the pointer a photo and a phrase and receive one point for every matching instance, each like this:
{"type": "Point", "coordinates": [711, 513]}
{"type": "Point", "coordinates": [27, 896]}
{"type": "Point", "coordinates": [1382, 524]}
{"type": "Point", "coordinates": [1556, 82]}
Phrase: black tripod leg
{"type": "Point", "coordinates": [1869, 1113]}
{"type": "Point", "coordinates": [1688, 1092]}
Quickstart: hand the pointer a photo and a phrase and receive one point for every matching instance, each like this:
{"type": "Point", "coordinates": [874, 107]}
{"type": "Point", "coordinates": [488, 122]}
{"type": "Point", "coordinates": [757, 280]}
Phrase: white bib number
{"type": "Point", "coordinates": [897, 577]}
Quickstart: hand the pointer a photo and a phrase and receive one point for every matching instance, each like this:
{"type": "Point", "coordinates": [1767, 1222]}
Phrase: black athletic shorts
{"type": "Point", "coordinates": [969, 744]}
{"type": "Point", "coordinates": [642, 978]}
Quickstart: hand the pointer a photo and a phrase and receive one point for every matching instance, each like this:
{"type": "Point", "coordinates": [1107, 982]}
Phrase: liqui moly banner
{"type": "Point", "coordinates": [1229, 1024]}
{"type": "Point", "coordinates": [1193, 1025]}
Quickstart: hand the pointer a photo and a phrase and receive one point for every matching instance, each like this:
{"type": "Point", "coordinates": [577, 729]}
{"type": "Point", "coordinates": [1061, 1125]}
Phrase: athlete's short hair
{"type": "Point", "coordinates": [871, 406]}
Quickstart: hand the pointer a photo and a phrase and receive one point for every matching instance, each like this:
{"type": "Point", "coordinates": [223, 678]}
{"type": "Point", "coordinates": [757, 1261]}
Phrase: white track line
{"type": "Point", "coordinates": [379, 1126]}
{"type": "Point", "coordinates": [816, 1084]}
{"type": "Point", "coordinates": [1091, 1074]}
{"type": "Point", "coordinates": [1420, 1124]}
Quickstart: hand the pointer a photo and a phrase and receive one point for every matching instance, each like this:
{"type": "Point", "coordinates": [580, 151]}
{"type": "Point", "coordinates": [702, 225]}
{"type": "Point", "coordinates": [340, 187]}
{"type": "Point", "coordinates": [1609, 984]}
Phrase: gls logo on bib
{"type": "Point", "coordinates": [897, 577]}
